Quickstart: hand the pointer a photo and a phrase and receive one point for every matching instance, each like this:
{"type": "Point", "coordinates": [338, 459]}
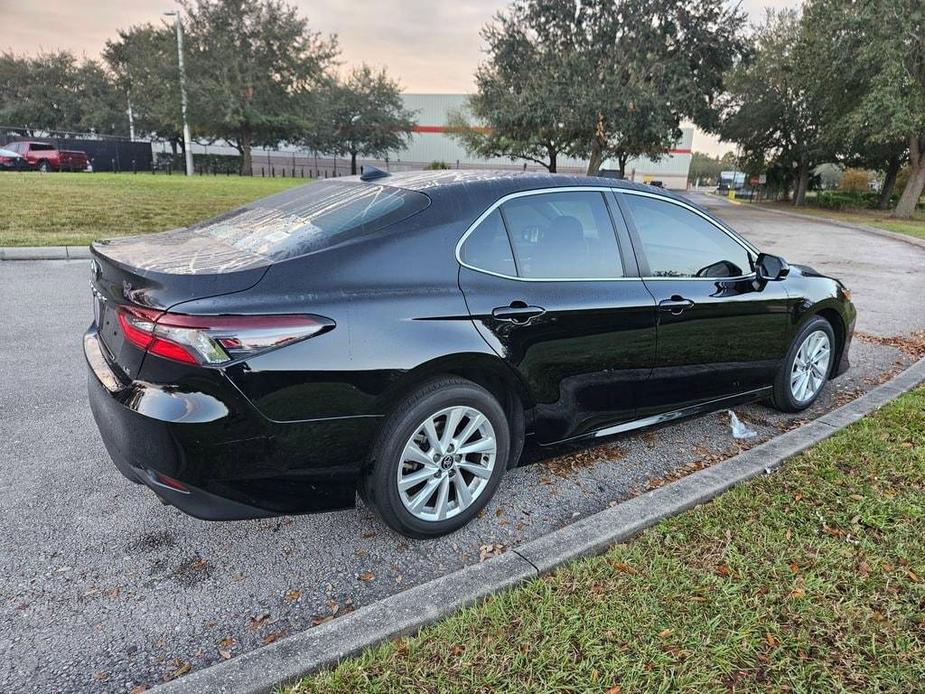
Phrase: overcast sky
{"type": "Point", "coordinates": [429, 46]}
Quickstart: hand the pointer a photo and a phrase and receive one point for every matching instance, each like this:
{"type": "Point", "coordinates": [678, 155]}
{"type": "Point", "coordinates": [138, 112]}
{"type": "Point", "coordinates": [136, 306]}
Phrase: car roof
{"type": "Point", "coordinates": [499, 180]}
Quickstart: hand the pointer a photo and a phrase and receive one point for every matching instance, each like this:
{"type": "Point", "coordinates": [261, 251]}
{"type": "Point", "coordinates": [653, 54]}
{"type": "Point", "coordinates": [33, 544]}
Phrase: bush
{"type": "Point", "coordinates": [855, 181]}
{"type": "Point", "coordinates": [437, 165]}
{"type": "Point", "coordinates": [842, 200]}
{"type": "Point", "coordinates": [208, 163]}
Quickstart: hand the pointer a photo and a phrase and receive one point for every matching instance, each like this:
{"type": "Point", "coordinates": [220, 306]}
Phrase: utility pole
{"type": "Point", "coordinates": [131, 120]}
{"type": "Point", "coordinates": [187, 146]}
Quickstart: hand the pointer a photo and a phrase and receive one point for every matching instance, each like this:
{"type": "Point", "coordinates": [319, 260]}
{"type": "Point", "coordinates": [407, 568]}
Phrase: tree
{"type": "Point", "coordinates": [144, 63]}
{"type": "Point", "coordinates": [364, 115]}
{"type": "Point", "coordinates": [53, 91]}
{"type": "Point", "coordinates": [256, 69]}
{"type": "Point", "coordinates": [652, 64]}
{"type": "Point", "coordinates": [705, 167]}
{"type": "Point", "coordinates": [598, 78]}
{"type": "Point", "coordinates": [893, 107]}
{"type": "Point", "coordinates": [775, 106]}
{"type": "Point", "coordinates": [523, 99]}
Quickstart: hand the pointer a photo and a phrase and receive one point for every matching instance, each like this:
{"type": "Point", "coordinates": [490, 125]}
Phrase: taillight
{"type": "Point", "coordinates": [213, 339]}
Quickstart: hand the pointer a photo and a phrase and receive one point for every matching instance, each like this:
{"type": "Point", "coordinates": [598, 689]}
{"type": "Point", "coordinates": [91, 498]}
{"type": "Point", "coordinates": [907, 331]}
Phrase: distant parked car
{"type": "Point", "coordinates": [10, 159]}
{"type": "Point", "coordinates": [45, 156]}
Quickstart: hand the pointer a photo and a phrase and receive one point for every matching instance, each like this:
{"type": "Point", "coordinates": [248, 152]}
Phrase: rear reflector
{"type": "Point", "coordinates": [162, 480]}
{"type": "Point", "coordinates": [213, 340]}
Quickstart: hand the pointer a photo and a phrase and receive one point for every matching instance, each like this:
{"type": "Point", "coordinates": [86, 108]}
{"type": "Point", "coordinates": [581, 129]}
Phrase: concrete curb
{"type": "Point", "coordinates": [289, 659]}
{"type": "Point", "coordinates": [44, 252]}
{"type": "Point", "coordinates": [912, 240]}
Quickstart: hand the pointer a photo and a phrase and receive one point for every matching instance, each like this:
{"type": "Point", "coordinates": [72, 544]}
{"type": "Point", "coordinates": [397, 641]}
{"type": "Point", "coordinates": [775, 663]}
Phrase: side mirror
{"type": "Point", "coordinates": [771, 267]}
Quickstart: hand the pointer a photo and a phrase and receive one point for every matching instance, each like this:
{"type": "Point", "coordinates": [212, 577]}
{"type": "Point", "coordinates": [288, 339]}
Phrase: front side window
{"type": "Point", "coordinates": [567, 235]}
{"type": "Point", "coordinates": [680, 243]}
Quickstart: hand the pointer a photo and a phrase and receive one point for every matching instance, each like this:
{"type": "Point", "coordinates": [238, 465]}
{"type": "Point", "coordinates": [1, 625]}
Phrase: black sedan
{"type": "Point", "coordinates": [401, 337]}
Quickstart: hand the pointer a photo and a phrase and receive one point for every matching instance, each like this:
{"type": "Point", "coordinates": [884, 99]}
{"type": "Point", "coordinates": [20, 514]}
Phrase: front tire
{"type": "Point", "coordinates": [439, 458]}
{"type": "Point", "coordinates": [806, 367]}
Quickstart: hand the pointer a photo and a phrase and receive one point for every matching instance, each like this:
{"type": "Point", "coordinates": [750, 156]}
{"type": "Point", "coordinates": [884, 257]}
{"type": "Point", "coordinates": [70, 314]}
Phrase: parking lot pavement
{"type": "Point", "coordinates": [102, 588]}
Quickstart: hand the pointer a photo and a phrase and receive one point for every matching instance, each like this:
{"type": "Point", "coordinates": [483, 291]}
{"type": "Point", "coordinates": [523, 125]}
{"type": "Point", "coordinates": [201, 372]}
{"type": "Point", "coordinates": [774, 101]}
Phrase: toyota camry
{"type": "Point", "coordinates": [401, 336]}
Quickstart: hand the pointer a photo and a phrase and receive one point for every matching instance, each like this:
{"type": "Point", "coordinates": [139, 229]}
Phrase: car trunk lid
{"type": "Point", "coordinates": [158, 271]}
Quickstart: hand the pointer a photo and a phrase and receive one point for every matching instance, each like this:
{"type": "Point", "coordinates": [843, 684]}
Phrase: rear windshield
{"type": "Point", "coordinates": [312, 217]}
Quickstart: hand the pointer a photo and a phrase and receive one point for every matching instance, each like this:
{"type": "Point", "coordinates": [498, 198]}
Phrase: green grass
{"type": "Point", "coordinates": [812, 579]}
{"type": "Point", "coordinates": [875, 218]}
{"type": "Point", "coordinates": [76, 208]}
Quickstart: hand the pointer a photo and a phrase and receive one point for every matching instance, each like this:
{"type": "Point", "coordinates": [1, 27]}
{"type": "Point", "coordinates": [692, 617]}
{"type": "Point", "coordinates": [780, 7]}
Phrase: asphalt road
{"type": "Point", "coordinates": [102, 588]}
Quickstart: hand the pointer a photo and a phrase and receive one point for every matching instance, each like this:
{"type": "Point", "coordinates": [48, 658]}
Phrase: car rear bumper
{"type": "Point", "coordinates": [216, 458]}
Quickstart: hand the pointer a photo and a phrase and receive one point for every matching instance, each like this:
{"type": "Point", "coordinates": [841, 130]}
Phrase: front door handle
{"type": "Point", "coordinates": [518, 312]}
{"type": "Point", "coordinates": [676, 305]}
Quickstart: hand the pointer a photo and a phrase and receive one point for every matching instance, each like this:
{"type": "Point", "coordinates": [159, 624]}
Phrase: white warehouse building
{"type": "Point", "coordinates": [432, 143]}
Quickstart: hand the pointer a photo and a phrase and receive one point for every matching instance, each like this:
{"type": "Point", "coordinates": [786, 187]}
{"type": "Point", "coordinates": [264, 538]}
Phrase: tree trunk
{"type": "Point", "coordinates": [551, 152]}
{"type": "Point", "coordinates": [799, 198]}
{"type": "Point", "coordinates": [621, 163]}
{"type": "Point", "coordinates": [910, 197]}
{"type": "Point", "coordinates": [353, 163]}
{"type": "Point", "coordinates": [246, 139]}
{"type": "Point", "coordinates": [889, 182]}
{"type": "Point", "coordinates": [596, 159]}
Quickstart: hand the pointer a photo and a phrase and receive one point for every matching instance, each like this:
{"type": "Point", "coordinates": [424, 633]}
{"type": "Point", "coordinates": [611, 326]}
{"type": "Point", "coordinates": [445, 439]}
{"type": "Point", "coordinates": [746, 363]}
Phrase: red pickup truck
{"type": "Point", "coordinates": [44, 156]}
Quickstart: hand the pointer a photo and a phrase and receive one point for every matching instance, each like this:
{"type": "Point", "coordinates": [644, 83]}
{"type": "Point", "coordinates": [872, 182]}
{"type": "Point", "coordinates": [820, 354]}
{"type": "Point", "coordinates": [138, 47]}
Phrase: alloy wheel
{"type": "Point", "coordinates": [447, 463]}
{"type": "Point", "coordinates": [810, 366]}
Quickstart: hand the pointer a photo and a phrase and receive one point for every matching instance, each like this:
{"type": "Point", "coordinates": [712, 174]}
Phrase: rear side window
{"type": "Point", "coordinates": [488, 247]}
{"type": "Point", "coordinates": [39, 147]}
{"type": "Point", "coordinates": [313, 217]}
{"type": "Point", "coordinates": [567, 235]}
{"type": "Point", "coordinates": [680, 243]}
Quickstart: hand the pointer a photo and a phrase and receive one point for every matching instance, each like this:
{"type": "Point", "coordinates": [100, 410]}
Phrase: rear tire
{"type": "Point", "coordinates": [425, 482]}
{"type": "Point", "coordinates": [806, 368]}
{"type": "Point", "coordinates": [43, 166]}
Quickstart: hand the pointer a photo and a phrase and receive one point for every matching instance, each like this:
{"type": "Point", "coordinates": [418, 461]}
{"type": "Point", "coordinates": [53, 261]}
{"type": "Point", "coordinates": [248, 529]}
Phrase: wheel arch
{"type": "Point", "coordinates": [827, 309]}
{"type": "Point", "coordinates": [489, 372]}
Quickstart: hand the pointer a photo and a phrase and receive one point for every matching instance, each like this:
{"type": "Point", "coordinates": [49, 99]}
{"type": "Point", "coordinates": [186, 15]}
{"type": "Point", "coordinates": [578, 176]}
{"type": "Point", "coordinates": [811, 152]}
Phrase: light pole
{"type": "Point", "coordinates": [187, 147]}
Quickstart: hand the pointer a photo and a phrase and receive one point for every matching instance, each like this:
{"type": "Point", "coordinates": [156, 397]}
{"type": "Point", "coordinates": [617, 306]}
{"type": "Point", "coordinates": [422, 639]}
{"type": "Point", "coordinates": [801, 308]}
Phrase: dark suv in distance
{"type": "Point", "coordinates": [401, 336]}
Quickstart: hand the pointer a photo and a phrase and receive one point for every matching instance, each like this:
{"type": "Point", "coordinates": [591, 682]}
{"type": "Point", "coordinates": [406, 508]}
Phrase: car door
{"type": "Point", "coordinates": [553, 288]}
{"type": "Point", "coordinates": [720, 331]}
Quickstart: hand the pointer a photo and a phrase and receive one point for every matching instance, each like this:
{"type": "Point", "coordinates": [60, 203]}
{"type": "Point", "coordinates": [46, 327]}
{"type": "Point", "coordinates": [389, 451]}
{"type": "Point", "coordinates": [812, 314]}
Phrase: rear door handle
{"type": "Point", "coordinates": [518, 312]}
{"type": "Point", "coordinates": [675, 305]}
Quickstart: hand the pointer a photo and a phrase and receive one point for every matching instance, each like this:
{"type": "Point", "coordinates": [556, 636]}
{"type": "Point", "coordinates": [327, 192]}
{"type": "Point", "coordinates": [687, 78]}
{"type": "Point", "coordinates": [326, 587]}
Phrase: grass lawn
{"type": "Point", "coordinates": [811, 579]}
{"type": "Point", "coordinates": [875, 218]}
{"type": "Point", "coordinates": [76, 208]}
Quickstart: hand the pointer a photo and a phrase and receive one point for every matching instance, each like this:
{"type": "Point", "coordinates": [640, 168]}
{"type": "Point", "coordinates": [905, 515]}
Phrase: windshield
{"type": "Point", "coordinates": [312, 217]}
